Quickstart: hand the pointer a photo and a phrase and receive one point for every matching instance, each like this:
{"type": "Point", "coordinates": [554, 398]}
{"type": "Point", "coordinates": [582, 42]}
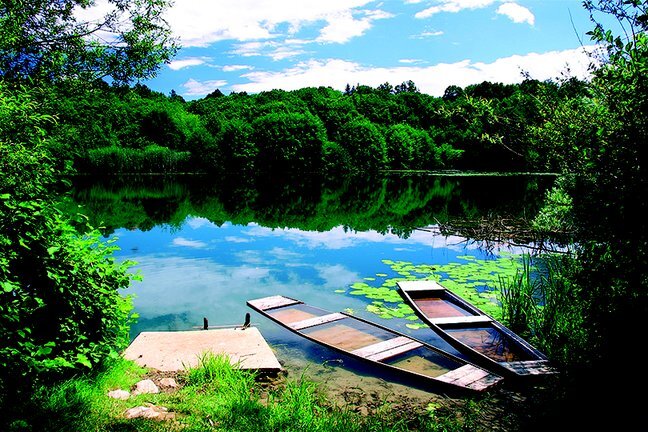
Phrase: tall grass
{"type": "Point", "coordinates": [540, 304]}
{"type": "Point", "coordinates": [215, 396]}
{"type": "Point", "coordinates": [151, 159]}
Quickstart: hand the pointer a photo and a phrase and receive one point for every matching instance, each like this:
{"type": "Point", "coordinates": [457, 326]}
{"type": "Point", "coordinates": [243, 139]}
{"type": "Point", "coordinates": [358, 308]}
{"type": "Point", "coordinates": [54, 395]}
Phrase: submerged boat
{"type": "Point", "coordinates": [375, 344]}
{"type": "Point", "coordinates": [472, 332]}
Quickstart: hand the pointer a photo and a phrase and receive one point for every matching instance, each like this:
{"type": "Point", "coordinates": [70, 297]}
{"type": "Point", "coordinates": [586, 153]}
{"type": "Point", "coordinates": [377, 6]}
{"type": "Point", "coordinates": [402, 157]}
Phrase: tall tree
{"type": "Point", "coordinates": [53, 40]}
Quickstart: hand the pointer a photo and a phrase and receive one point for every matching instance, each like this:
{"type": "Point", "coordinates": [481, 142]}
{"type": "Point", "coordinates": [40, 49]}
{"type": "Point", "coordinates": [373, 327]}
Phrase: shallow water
{"type": "Point", "coordinates": [204, 255]}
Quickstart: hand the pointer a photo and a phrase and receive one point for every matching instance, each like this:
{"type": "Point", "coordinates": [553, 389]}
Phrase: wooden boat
{"type": "Point", "coordinates": [375, 344]}
{"type": "Point", "coordinates": [477, 335]}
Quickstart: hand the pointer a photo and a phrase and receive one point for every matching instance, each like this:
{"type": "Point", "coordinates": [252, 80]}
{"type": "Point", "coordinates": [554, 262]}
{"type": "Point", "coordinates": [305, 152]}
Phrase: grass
{"type": "Point", "coordinates": [215, 396]}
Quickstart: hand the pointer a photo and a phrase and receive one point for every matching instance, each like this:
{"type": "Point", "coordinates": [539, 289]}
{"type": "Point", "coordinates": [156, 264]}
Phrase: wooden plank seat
{"type": "Point", "coordinates": [386, 349]}
{"type": "Point", "coordinates": [530, 367]}
{"type": "Point", "coordinates": [470, 376]}
{"type": "Point", "coordinates": [471, 319]}
{"type": "Point", "coordinates": [315, 321]}
{"type": "Point", "coordinates": [272, 302]}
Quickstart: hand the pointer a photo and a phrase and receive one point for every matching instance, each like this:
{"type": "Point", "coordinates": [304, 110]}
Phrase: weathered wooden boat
{"type": "Point", "coordinates": [376, 344]}
{"type": "Point", "coordinates": [485, 341]}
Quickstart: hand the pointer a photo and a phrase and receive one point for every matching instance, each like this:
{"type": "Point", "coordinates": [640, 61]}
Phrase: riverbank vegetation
{"type": "Point", "coordinates": [61, 312]}
{"type": "Point", "coordinates": [216, 396]}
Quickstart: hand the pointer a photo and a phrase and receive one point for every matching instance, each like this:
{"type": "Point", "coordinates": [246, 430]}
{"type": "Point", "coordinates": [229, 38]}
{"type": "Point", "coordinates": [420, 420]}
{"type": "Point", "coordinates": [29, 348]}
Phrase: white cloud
{"type": "Point", "coordinates": [453, 6]}
{"type": "Point", "coordinates": [434, 79]}
{"type": "Point", "coordinates": [203, 22]}
{"type": "Point", "coordinates": [343, 27]}
{"type": "Point", "coordinates": [274, 50]}
{"type": "Point", "coordinates": [517, 13]}
{"type": "Point", "coordinates": [410, 61]}
{"type": "Point", "coordinates": [195, 244]}
{"type": "Point", "coordinates": [201, 88]}
{"type": "Point", "coordinates": [186, 62]}
{"type": "Point", "coordinates": [236, 68]}
{"type": "Point", "coordinates": [427, 34]}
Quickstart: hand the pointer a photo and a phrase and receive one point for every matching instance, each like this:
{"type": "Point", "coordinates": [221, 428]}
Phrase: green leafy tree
{"type": "Point", "coordinates": [69, 39]}
{"type": "Point", "coordinates": [365, 145]}
{"type": "Point", "coordinates": [291, 141]}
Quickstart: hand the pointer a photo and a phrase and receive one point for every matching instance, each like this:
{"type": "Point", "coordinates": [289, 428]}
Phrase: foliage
{"type": "Point", "coordinates": [60, 308]}
{"type": "Point", "coordinates": [76, 39]}
{"type": "Point", "coordinates": [365, 145]}
{"type": "Point", "coordinates": [289, 141]}
{"type": "Point", "coordinates": [556, 215]}
{"type": "Point", "coordinates": [489, 126]}
{"type": "Point", "coordinates": [151, 159]}
{"type": "Point", "coordinates": [216, 396]}
{"type": "Point", "coordinates": [394, 203]}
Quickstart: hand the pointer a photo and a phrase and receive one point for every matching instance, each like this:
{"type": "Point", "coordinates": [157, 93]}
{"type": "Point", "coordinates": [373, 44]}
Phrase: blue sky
{"type": "Point", "coordinates": [254, 45]}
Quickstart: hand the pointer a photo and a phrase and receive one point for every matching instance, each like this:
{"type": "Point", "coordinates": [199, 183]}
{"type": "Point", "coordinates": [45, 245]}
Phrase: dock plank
{"type": "Point", "coordinates": [179, 350]}
{"type": "Point", "coordinates": [272, 302]}
{"type": "Point", "coordinates": [315, 321]}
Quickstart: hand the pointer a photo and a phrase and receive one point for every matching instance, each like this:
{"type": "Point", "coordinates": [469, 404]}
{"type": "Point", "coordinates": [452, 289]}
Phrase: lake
{"type": "Point", "coordinates": [206, 245]}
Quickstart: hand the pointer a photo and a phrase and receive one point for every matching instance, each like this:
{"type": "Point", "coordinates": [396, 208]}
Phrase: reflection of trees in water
{"type": "Point", "coordinates": [390, 203]}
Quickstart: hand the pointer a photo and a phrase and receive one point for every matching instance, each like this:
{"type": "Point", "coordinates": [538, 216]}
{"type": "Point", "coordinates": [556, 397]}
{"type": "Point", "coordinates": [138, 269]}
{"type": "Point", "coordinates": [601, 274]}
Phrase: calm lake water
{"type": "Point", "coordinates": [204, 246]}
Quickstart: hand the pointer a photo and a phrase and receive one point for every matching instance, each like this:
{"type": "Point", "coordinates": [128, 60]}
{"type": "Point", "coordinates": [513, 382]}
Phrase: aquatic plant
{"type": "Point", "coordinates": [477, 280]}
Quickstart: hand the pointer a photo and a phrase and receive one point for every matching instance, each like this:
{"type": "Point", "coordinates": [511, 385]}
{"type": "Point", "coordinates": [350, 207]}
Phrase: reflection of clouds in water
{"type": "Point", "coordinates": [197, 222]}
{"type": "Point", "coordinates": [401, 249]}
{"type": "Point", "coordinates": [234, 239]}
{"type": "Point", "coordinates": [336, 276]}
{"type": "Point", "coordinates": [172, 285]}
{"type": "Point", "coordinates": [195, 244]}
{"type": "Point", "coordinates": [200, 287]}
{"type": "Point", "coordinates": [336, 238]}
{"type": "Point", "coordinates": [251, 257]}
{"type": "Point", "coordinates": [339, 238]}
{"type": "Point", "coordinates": [284, 254]}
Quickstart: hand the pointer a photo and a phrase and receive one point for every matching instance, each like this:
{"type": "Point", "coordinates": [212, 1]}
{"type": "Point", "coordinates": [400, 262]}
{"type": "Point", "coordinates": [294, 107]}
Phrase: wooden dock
{"type": "Point", "coordinates": [179, 350]}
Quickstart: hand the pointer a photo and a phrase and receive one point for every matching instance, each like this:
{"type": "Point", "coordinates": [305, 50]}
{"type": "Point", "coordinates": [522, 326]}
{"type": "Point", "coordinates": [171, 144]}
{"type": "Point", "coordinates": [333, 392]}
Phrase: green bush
{"type": "Point", "coordinates": [60, 306]}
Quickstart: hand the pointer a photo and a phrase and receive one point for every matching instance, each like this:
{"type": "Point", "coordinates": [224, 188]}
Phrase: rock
{"type": "Point", "coordinates": [145, 386]}
{"type": "Point", "coordinates": [119, 394]}
{"type": "Point", "coordinates": [152, 412]}
{"type": "Point", "coordinates": [168, 383]}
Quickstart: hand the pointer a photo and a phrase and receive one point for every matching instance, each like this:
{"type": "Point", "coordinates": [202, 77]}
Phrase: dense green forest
{"type": "Point", "coordinates": [488, 126]}
{"type": "Point", "coordinates": [61, 312]}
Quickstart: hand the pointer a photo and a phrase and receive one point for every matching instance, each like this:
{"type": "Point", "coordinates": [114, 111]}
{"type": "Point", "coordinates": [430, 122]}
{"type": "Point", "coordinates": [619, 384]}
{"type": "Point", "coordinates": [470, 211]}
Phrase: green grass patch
{"type": "Point", "coordinates": [214, 396]}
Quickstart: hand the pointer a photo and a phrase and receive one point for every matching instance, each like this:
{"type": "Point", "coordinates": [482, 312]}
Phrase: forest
{"type": "Point", "coordinates": [61, 310]}
{"type": "Point", "coordinates": [487, 126]}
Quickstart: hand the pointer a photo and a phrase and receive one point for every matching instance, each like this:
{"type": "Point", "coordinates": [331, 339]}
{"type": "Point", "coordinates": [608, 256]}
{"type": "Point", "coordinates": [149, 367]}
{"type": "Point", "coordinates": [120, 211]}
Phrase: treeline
{"type": "Point", "coordinates": [488, 126]}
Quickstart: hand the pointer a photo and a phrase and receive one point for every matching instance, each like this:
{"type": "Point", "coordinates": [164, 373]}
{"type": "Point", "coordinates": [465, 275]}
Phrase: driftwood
{"type": "Point", "coordinates": [493, 232]}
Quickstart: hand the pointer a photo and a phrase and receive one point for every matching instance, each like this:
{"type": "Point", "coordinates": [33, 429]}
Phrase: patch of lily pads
{"type": "Point", "coordinates": [476, 280]}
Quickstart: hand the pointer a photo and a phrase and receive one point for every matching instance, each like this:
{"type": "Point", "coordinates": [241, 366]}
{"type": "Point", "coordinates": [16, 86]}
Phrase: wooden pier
{"type": "Point", "coordinates": [179, 350]}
